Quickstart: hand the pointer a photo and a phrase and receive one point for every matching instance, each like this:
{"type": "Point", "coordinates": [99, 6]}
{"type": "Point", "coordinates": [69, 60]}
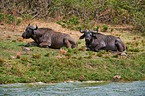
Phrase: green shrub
{"type": "Point", "coordinates": [98, 26]}
{"type": "Point", "coordinates": [69, 50]}
{"type": "Point", "coordinates": [64, 21]}
{"type": "Point", "coordinates": [58, 22]}
{"type": "Point", "coordinates": [2, 17]}
{"type": "Point", "coordinates": [63, 25]}
{"type": "Point", "coordinates": [18, 21]}
{"type": "Point", "coordinates": [81, 13]}
{"type": "Point", "coordinates": [105, 27]}
{"type": "Point", "coordinates": [74, 20]}
{"type": "Point", "coordinates": [9, 18]}
{"type": "Point", "coordinates": [112, 29]}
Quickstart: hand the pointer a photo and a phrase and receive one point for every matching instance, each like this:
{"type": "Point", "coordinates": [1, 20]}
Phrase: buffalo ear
{"type": "Point", "coordinates": [82, 37]}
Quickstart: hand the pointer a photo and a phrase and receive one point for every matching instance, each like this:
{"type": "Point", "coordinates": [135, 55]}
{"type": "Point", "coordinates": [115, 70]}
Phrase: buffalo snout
{"type": "Point", "coordinates": [87, 39]}
{"type": "Point", "coordinates": [24, 35]}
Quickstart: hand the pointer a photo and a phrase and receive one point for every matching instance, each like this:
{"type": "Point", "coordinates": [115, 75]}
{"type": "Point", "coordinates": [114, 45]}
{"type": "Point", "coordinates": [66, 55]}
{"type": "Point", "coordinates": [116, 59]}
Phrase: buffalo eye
{"type": "Point", "coordinates": [27, 30]}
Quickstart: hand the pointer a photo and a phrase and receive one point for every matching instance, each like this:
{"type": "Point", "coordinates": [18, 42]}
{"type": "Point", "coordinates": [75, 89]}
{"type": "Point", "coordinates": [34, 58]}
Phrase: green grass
{"type": "Point", "coordinates": [50, 65]}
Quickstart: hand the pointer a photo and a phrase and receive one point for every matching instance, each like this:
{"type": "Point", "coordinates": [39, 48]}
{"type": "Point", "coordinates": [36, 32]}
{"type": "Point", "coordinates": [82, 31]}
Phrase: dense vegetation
{"type": "Point", "coordinates": [75, 14]}
{"type": "Point", "coordinates": [57, 65]}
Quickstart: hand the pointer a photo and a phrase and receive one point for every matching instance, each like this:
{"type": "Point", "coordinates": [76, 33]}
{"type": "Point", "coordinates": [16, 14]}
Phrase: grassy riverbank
{"type": "Point", "coordinates": [55, 65]}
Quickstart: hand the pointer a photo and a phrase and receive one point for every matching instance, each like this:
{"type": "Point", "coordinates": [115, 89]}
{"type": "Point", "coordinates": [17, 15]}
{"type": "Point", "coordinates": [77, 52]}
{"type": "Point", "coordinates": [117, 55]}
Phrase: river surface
{"type": "Point", "coordinates": [136, 88]}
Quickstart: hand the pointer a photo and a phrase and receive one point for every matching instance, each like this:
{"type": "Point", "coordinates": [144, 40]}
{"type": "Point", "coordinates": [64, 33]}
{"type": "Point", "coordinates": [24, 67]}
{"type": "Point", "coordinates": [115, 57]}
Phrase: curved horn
{"type": "Point", "coordinates": [86, 30]}
{"type": "Point", "coordinates": [93, 31]}
{"type": "Point", "coordinates": [31, 27]}
{"type": "Point", "coordinates": [36, 27]}
{"type": "Point", "coordinates": [81, 31]}
{"type": "Point", "coordinates": [97, 29]}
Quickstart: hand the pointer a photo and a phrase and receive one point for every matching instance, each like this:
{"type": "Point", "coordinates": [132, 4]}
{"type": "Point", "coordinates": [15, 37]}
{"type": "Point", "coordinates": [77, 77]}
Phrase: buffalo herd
{"type": "Point", "coordinates": [46, 37]}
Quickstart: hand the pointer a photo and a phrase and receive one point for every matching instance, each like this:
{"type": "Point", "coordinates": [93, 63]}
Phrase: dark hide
{"type": "Point", "coordinates": [97, 42]}
{"type": "Point", "coordinates": [45, 37]}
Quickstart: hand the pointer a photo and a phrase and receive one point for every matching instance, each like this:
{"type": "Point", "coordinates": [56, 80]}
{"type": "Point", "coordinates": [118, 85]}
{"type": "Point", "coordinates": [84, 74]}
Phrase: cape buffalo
{"type": "Point", "coordinates": [96, 41]}
{"type": "Point", "coordinates": [45, 37]}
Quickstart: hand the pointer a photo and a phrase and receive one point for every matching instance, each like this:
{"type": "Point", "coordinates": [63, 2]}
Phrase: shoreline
{"type": "Point", "coordinates": [42, 83]}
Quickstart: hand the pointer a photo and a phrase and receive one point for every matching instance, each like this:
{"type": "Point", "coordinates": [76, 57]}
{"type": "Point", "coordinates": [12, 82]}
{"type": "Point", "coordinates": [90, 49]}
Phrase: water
{"type": "Point", "coordinates": [136, 88]}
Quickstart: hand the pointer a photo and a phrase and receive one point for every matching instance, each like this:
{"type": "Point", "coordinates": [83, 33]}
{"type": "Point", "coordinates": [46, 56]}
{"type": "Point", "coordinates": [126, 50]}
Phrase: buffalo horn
{"type": "Point", "coordinates": [81, 31]}
{"type": "Point", "coordinates": [94, 31]}
{"type": "Point", "coordinates": [86, 30]}
{"type": "Point", "coordinates": [36, 27]}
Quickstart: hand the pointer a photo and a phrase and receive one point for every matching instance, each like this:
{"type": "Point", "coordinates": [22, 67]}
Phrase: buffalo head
{"type": "Point", "coordinates": [29, 31]}
{"type": "Point", "coordinates": [88, 34]}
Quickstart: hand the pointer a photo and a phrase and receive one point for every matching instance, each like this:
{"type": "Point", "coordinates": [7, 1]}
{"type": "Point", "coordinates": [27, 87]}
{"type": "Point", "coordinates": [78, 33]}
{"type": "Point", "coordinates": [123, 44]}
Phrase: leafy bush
{"type": "Point", "coordinates": [9, 18]}
{"type": "Point", "coordinates": [18, 21]}
{"type": "Point", "coordinates": [2, 17]}
{"type": "Point", "coordinates": [79, 13]}
{"type": "Point", "coordinates": [105, 27]}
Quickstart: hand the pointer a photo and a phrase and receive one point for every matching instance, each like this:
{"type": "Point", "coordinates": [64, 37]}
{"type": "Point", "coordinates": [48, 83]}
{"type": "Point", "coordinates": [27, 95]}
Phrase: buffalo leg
{"type": "Point", "coordinates": [73, 42]}
{"type": "Point", "coordinates": [43, 44]}
{"type": "Point", "coordinates": [31, 43]}
{"type": "Point", "coordinates": [67, 43]}
{"type": "Point", "coordinates": [100, 46]}
{"type": "Point", "coordinates": [89, 47]}
{"type": "Point", "coordinates": [119, 46]}
{"type": "Point", "coordinates": [96, 48]}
